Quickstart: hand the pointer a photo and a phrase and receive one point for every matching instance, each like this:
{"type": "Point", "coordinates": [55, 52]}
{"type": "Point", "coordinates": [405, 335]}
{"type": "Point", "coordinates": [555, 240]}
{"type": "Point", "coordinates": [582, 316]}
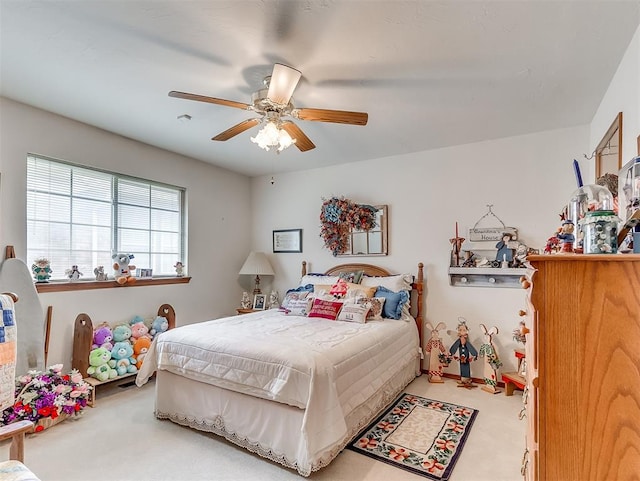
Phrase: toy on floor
{"type": "Point", "coordinates": [438, 357]}
{"type": "Point", "coordinates": [491, 360]}
{"type": "Point", "coordinates": [122, 269]}
{"type": "Point", "coordinates": [464, 352]}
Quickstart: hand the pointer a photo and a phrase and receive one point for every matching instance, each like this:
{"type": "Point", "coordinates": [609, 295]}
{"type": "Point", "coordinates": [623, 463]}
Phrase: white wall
{"type": "Point", "coordinates": [528, 179]}
{"type": "Point", "coordinates": [218, 230]}
{"type": "Point", "coordinates": [623, 95]}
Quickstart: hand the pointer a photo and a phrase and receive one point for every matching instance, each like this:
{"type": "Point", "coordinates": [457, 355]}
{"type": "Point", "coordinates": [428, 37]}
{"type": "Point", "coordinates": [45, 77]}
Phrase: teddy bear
{"type": "Point", "coordinates": [138, 330]}
{"type": "Point", "coordinates": [159, 325]}
{"type": "Point", "coordinates": [102, 337]}
{"type": "Point", "coordinates": [122, 359]}
{"type": "Point", "coordinates": [121, 333]}
{"type": "Point", "coordinates": [122, 269]}
{"type": "Point", "coordinates": [99, 367]}
{"type": "Point", "coordinates": [140, 349]}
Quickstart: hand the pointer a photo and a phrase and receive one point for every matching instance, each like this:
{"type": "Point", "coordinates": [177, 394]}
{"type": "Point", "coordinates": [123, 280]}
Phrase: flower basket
{"type": "Point", "coordinates": [47, 398]}
{"type": "Point", "coordinates": [46, 423]}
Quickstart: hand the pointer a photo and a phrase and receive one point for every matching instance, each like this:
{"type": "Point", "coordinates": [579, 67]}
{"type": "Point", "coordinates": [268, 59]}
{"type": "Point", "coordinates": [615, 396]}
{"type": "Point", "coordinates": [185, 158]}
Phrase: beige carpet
{"type": "Point", "coordinates": [120, 440]}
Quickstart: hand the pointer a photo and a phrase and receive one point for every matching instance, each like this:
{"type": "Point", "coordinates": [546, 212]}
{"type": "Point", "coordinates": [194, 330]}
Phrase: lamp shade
{"type": "Point", "coordinates": [257, 264]}
{"type": "Point", "coordinates": [282, 84]}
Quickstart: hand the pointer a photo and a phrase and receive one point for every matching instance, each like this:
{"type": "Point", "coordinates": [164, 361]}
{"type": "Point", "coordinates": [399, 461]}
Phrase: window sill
{"type": "Point", "coordinates": [63, 286]}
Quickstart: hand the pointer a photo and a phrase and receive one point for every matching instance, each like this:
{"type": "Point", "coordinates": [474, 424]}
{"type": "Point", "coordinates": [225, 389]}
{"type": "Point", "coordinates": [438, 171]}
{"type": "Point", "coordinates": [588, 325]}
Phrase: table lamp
{"type": "Point", "coordinates": [257, 264]}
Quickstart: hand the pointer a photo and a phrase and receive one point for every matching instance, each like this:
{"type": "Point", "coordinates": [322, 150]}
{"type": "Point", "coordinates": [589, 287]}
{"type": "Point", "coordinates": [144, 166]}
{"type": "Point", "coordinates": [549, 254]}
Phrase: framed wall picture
{"type": "Point", "coordinates": [287, 240]}
{"type": "Point", "coordinates": [259, 301]}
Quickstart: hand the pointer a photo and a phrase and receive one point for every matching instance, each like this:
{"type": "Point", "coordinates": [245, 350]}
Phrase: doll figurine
{"type": "Point", "coordinates": [566, 236]}
{"type": "Point", "coordinates": [179, 269]}
{"type": "Point", "coordinates": [245, 302]}
{"type": "Point", "coordinates": [41, 270]}
{"type": "Point", "coordinates": [273, 300]}
{"type": "Point", "coordinates": [73, 274]}
{"type": "Point", "coordinates": [491, 360]}
{"type": "Point", "coordinates": [464, 352]}
{"type": "Point", "coordinates": [438, 357]}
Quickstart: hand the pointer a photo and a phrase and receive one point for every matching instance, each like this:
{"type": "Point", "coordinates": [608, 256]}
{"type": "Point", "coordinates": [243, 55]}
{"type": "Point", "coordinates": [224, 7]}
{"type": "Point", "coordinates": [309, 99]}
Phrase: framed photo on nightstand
{"type": "Point", "coordinates": [259, 301]}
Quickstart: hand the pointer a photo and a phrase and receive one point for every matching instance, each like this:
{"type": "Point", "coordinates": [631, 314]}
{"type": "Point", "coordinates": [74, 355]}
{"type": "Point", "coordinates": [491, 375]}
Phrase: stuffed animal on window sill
{"type": "Point", "coordinates": [122, 269]}
{"type": "Point", "coordinates": [41, 270]}
{"type": "Point", "coordinates": [100, 274]}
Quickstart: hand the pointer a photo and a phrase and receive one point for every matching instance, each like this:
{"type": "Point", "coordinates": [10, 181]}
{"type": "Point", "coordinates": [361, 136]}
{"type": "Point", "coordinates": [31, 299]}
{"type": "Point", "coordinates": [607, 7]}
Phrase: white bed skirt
{"type": "Point", "coordinates": [242, 419]}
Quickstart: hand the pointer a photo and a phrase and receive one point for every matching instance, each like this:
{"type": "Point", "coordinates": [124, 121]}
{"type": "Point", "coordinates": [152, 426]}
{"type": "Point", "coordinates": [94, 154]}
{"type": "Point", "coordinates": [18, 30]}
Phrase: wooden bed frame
{"type": "Point", "coordinates": [371, 270]}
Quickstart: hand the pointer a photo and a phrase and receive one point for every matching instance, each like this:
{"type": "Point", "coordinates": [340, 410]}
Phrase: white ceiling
{"type": "Point", "coordinates": [430, 74]}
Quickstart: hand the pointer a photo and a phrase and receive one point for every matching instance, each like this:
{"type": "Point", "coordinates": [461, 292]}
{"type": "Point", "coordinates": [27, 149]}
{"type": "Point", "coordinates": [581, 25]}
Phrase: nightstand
{"type": "Point", "coordinates": [240, 310]}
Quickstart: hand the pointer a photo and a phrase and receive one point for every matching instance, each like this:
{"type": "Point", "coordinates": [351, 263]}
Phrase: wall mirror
{"type": "Point", "coordinates": [609, 150]}
{"type": "Point", "coordinates": [372, 242]}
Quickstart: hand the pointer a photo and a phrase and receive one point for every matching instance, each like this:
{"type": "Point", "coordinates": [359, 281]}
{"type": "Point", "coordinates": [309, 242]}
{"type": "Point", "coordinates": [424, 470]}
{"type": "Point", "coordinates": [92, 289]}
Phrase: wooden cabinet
{"type": "Point", "coordinates": [582, 399]}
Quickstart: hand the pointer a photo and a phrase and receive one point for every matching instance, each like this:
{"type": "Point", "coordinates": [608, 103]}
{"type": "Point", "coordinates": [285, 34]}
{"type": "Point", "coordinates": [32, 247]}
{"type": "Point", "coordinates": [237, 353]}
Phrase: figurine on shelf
{"type": "Point", "coordinates": [566, 236]}
{"type": "Point", "coordinates": [100, 274]}
{"type": "Point", "coordinates": [505, 250]}
{"type": "Point", "coordinates": [456, 248]}
{"type": "Point", "coordinates": [73, 274]}
{"type": "Point", "coordinates": [179, 266]}
{"type": "Point", "coordinates": [274, 303]}
{"type": "Point", "coordinates": [41, 270]}
{"type": "Point", "coordinates": [519, 334]}
{"type": "Point", "coordinates": [245, 303]}
{"type": "Point", "coordinates": [438, 357]}
{"type": "Point", "coordinates": [464, 352]}
{"type": "Point", "coordinates": [491, 360]}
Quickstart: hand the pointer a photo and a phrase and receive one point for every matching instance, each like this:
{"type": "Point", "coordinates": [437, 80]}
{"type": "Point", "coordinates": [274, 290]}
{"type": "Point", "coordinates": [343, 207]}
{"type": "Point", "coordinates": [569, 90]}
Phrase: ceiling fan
{"type": "Point", "coordinates": [273, 103]}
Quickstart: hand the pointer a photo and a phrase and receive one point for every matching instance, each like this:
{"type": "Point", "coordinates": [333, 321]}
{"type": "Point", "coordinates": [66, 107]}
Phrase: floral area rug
{"type": "Point", "coordinates": [418, 434]}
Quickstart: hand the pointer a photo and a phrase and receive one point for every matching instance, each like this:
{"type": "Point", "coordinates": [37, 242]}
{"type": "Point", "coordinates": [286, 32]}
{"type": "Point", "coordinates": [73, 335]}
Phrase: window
{"type": "Point", "coordinates": [82, 216]}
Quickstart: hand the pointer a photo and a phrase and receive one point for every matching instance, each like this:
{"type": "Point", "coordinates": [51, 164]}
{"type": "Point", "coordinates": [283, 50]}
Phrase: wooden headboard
{"type": "Point", "coordinates": [371, 270]}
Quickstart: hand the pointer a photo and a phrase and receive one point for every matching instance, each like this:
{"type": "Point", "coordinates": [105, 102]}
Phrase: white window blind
{"type": "Point", "coordinates": [82, 216]}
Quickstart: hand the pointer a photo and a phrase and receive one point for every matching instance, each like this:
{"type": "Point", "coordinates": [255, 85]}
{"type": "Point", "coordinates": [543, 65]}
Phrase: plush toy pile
{"type": "Point", "coordinates": [120, 350]}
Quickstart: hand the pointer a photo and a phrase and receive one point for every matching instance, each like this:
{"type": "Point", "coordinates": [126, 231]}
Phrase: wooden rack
{"type": "Point", "coordinates": [83, 340]}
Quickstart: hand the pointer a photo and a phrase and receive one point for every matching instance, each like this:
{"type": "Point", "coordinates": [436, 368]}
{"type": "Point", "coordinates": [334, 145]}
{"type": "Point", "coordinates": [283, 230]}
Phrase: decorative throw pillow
{"type": "Point", "coordinates": [304, 288]}
{"type": "Point", "coordinates": [325, 309]}
{"type": "Point", "coordinates": [353, 276]}
{"type": "Point", "coordinates": [298, 307]}
{"type": "Point", "coordinates": [353, 290]}
{"type": "Point", "coordinates": [394, 302]}
{"type": "Point", "coordinates": [400, 282]}
{"type": "Point", "coordinates": [353, 313]}
{"type": "Point", "coordinates": [291, 296]}
{"type": "Point", "coordinates": [375, 305]}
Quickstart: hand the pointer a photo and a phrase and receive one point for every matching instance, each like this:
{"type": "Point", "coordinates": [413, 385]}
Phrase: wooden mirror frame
{"type": "Point", "coordinates": [615, 130]}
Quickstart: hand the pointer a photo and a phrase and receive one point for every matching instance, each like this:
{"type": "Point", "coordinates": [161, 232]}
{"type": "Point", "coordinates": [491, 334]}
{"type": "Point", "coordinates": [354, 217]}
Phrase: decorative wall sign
{"type": "Point", "coordinates": [494, 234]}
{"type": "Point", "coordinates": [288, 240]}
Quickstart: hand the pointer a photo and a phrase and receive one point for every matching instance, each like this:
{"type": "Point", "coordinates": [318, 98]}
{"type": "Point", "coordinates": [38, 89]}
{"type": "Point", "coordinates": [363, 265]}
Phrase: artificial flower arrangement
{"type": "Point", "coordinates": [338, 216]}
{"type": "Point", "coordinates": [42, 396]}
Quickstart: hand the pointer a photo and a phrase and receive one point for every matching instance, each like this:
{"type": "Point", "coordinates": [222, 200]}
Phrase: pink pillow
{"type": "Point", "coordinates": [325, 309]}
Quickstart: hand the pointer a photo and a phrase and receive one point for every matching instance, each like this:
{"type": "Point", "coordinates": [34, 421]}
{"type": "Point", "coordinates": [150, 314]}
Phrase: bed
{"type": "Point", "coordinates": [291, 388]}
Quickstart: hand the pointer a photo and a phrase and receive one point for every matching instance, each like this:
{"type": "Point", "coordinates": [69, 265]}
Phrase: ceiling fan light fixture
{"type": "Point", "coordinates": [283, 82]}
{"type": "Point", "coordinates": [272, 136]}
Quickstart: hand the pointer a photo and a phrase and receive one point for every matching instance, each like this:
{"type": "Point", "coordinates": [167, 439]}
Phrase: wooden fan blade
{"type": "Point", "coordinates": [236, 129]}
{"type": "Point", "coordinates": [211, 100]}
{"type": "Point", "coordinates": [302, 141]}
{"type": "Point", "coordinates": [337, 116]}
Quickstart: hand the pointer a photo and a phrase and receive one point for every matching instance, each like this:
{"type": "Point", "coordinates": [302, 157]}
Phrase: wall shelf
{"type": "Point", "coordinates": [486, 276]}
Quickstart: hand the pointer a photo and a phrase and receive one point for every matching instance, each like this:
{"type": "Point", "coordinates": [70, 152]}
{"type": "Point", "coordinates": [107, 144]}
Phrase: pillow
{"type": "Point", "coordinates": [353, 290]}
{"type": "Point", "coordinates": [306, 287]}
{"type": "Point", "coordinates": [353, 313]}
{"type": "Point", "coordinates": [353, 276]}
{"type": "Point", "coordinates": [375, 305]}
{"type": "Point", "coordinates": [400, 282]}
{"type": "Point", "coordinates": [318, 279]}
{"type": "Point", "coordinates": [393, 303]}
{"type": "Point", "coordinates": [291, 296]}
{"type": "Point", "coordinates": [298, 307]}
{"type": "Point", "coordinates": [325, 309]}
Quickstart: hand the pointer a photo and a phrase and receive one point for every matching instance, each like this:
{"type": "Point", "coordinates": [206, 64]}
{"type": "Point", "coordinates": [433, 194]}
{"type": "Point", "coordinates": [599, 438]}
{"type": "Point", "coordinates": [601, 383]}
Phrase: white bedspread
{"type": "Point", "coordinates": [325, 367]}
